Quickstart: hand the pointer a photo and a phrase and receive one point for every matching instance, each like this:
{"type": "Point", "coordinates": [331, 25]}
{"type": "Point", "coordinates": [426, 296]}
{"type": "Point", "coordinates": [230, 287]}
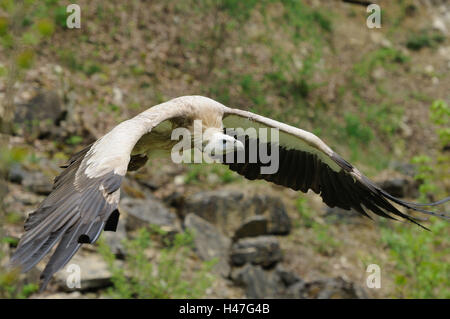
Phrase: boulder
{"type": "Point", "coordinates": [288, 278]}
{"type": "Point", "coordinates": [280, 283]}
{"type": "Point", "coordinates": [146, 212]}
{"type": "Point", "coordinates": [329, 288]}
{"type": "Point", "coordinates": [40, 116]}
{"type": "Point", "coordinates": [93, 273]}
{"type": "Point", "coordinates": [253, 226]}
{"type": "Point", "coordinates": [210, 243]}
{"type": "Point", "coordinates": [257, 282]}
{"type": "Point", "coordinates": [16, 174]}
{"type": "Point", "coordinates": [37, 182]}
{"type": "Point", "coordinates": [262, 250]}
{"type": "Point", "coordinates": [338, 215]}
{"type": "Point", "coordinates": [400, 186]}
{"type": "Point", "coordinates": [230, 210]}
{"type": "Point", "coordinates": [407, 169]}
{"type": "Point", "coordinates": [61, 295]}
{"type": "Point", "coordinates": [261, 283]}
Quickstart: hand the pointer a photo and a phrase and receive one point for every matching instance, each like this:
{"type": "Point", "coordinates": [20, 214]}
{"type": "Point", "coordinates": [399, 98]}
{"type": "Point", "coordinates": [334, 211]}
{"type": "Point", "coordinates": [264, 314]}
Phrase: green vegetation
{"type": "Point", "coordinates": [290, 78]}
{"type": "Point", "coordinates": [424, 39]}
{"type": "Point", "coordinates": [385, 117]}
{"type": "Point", "coordinates": [69, 58]}
{"type": "Point", "coordinates": [440, 116]}
{"type": "Point", "coordinates": [355, 130]}
{"type": "Point", "coordinates": [28, 23]}
{"type": "Point", "coordinates": [322, 238]}
{"type": "Point", "coordinates": [432, 171]}
{"type": "Point", "coordinates": [305, 214]}
{"type": "Point", "coordinates": [422, 268]}
{"type": "Point", "coordinates": [162, 276]}
{"type": "Point", "coordinates": [325, 243]}
{"type": "Point", "coordinates": [421, 262]}
{"type": "Point", "coordinates": [363, 128]}
{"type": "Point", "coordinates": [24, 25]}
{"type": "Point", "coordinates": [10, 283]}
{"type": "Point", "coordinates": [387, 58]}
{"type": "Point", "coordinates": [74, 140]}
{"type": "Point", "coordinates": [13, 218]}
{"type": "Point", "coordinates": [205, 173]}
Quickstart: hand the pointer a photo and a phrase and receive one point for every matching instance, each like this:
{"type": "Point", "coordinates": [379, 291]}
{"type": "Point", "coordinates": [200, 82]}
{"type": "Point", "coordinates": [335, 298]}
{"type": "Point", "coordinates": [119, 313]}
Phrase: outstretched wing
{"type": "Point", "coordinates": [86, 194]}
{"type": "Point", "coordinates": [74, 213]}
{"type": "Point", "coordinates": [306, 162]}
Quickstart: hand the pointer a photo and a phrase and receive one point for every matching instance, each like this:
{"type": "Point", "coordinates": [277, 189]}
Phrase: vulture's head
{"type": "Point", "coordinates": [215, 143]}
{"type": "Point", "coordinates": [208, 135]}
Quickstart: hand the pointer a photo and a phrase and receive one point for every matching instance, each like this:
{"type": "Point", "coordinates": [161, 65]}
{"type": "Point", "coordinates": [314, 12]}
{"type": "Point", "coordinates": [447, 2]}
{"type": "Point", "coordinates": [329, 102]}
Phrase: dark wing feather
{"type": "Point", "coordinates": [301, 170]}
{"type": "Point", "coordinates": [71, 215]}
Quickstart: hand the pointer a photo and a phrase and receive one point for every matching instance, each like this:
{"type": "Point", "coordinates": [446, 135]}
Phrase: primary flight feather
{"type": "Point", "coordinates": [85, 196]}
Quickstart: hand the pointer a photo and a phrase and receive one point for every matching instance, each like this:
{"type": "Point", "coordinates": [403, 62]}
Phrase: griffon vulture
{"type": "Point", "coordinates": [85, 195]}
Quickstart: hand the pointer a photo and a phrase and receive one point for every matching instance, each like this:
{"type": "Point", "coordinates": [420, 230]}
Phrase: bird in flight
{"type": "Point", "coordinates": [85, 196]}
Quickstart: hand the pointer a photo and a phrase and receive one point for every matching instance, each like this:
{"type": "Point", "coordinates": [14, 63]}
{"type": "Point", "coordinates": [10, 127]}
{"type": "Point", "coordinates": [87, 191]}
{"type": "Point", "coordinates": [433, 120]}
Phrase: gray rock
{"type": "Point", "coordinates": [287, 277]}
{"type": "Point", "coordinates": [280, 283]}
{"type": "Point", "coordinates": [262, 250]}
{"type": "Point", "coordinates": [279, 221]}
{"type": "Point", "coordinates": [40, 117]}
{"type": "Point", "coordinates": [440, 25]}
{"type": "Point", "coordinates": [400, 187]}
{"type": "Point", "coordinates": [253, 226]}
{"type": "Point", "coordinates": [338, 215]}
{"type": "Point", "coordinates": [330, 288]}
{"type": "Point", "coordinates": [407, 169]}
{"type": "Point", "coordinates": [230, 209]}
{"type": "Point", "coordinates": [16, 174]}
{"type": "Point", "coordinates": [28, 199]}
{"type": "Point", "coordinates": [210, 243]}
{"type": "Point", "coordinates": [296, 290]}
{"type": "Point", "coordinates": [94, 273]}
{"type": "Point", "coordinates": [261, 283]}
{"type": "Point", "coordinates": [61, 295]}
{"type": "Point", "coordinates": [145, 212]}
{"type": "Point", "coordinates": [257, 282]}
{"type": "Point", "coordinates": [37, 182]}
{"type": "Point", "coordinates": [215, 207]}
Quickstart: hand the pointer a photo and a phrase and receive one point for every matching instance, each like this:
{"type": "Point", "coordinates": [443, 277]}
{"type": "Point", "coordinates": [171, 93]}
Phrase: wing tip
{"type": "Point", "coordinates": [416, 206]}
